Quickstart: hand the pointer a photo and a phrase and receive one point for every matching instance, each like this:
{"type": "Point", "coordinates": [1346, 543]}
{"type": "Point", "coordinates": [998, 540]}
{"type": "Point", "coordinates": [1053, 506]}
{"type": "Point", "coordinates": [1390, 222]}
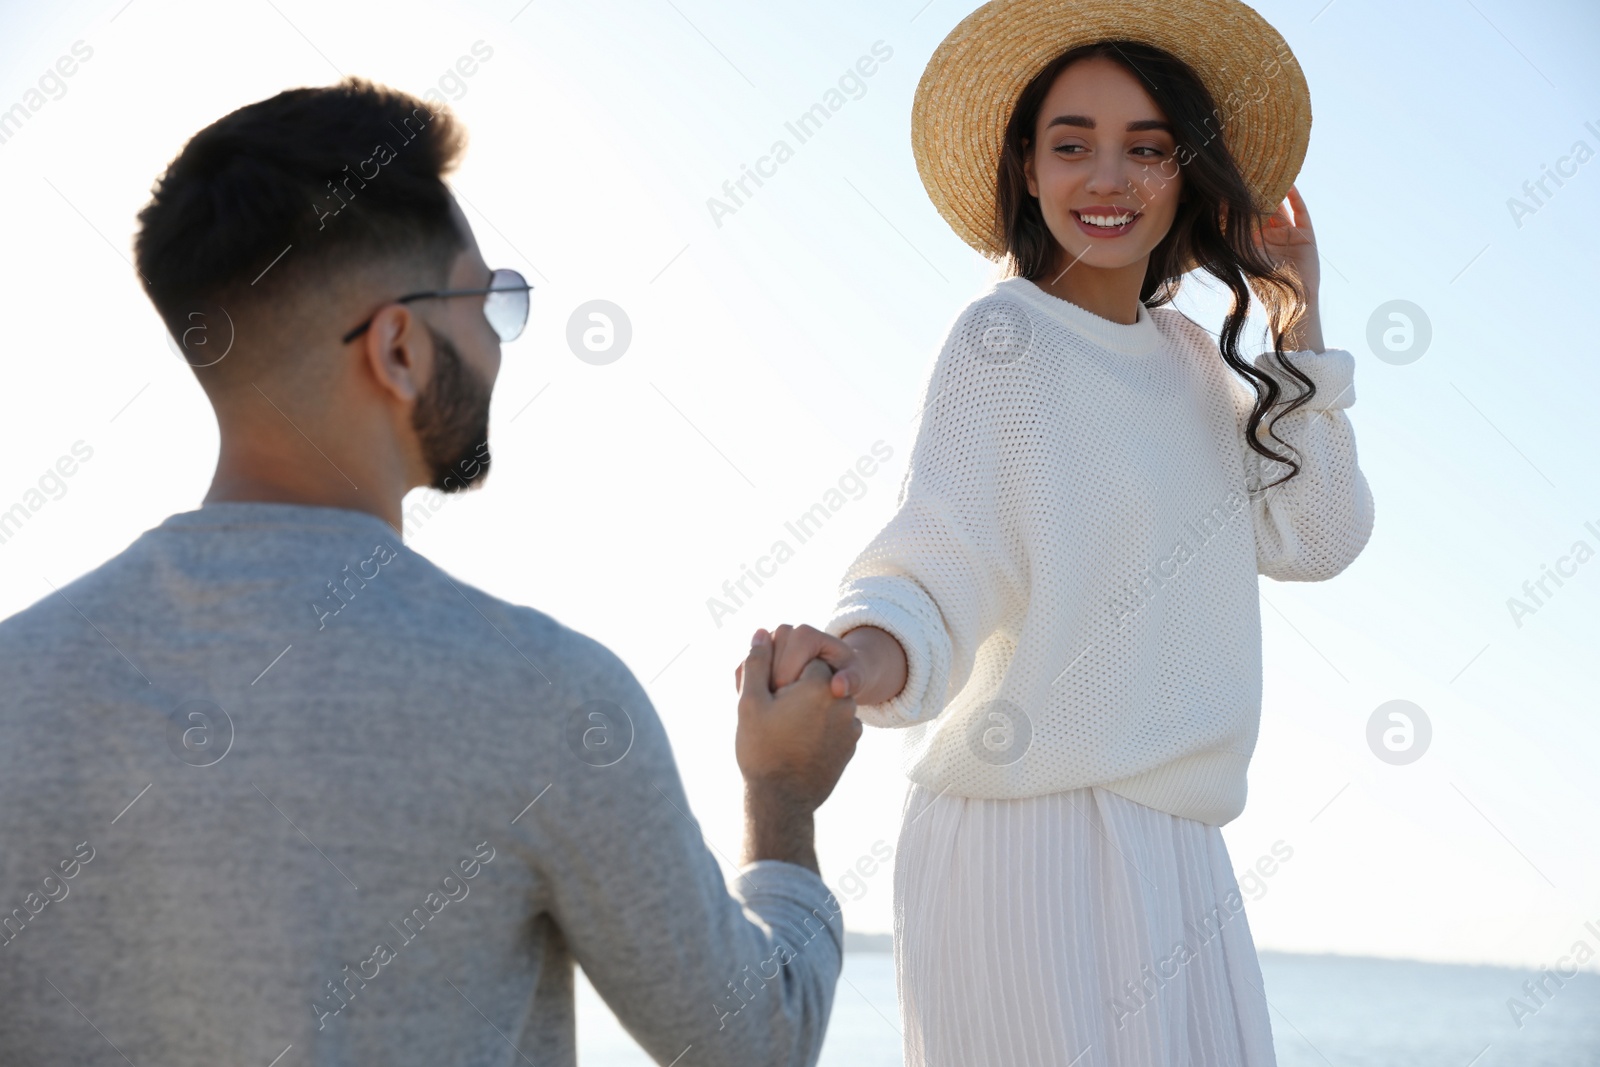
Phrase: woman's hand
{"type": "Point", "coordinates": [870, 666]}
{"type": "Point", "coordinates": [1289, 240]}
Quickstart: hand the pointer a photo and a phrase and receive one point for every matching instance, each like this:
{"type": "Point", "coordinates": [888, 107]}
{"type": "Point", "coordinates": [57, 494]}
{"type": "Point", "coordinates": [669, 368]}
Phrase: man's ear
{"type": "Point", "coordinates": [398, 352]}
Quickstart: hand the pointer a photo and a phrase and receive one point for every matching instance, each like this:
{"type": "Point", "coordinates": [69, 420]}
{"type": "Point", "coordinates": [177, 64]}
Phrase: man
{"type": "Point", "coordinates": [280, 791]}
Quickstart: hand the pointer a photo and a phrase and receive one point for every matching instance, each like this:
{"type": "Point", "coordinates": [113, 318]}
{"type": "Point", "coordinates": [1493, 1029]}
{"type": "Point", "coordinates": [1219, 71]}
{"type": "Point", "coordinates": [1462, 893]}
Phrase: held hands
{"type": "Point", "coordinates": [793, 739]}
{"type": "Point", "coordinates": [868, 663]}
{"type": "Point", "coordinates": [795, 646]}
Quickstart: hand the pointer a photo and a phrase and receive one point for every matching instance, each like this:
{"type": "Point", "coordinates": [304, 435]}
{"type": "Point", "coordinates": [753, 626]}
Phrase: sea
{"type": "Point", "coordinates": [1327, 1011]}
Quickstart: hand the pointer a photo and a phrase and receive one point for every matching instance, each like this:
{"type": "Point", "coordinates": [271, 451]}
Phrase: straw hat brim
{"type": "Point", "coordinates": [967, 91]}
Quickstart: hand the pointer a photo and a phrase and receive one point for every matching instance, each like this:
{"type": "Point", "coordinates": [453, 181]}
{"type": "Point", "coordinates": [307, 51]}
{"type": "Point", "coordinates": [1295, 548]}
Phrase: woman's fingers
{"type": "Point", "coordinates": [788, 655]}
{"type": "Point", "coordinates": [794, 647]}
{"type": "Point", "coordinates": [1302, 214]}
{"type": "Point", "coordinates": [754, 691]}
{"type": "Point", "coordinates": [1289, 224]}
{"type": "Point", "coordinates": [797, 646]}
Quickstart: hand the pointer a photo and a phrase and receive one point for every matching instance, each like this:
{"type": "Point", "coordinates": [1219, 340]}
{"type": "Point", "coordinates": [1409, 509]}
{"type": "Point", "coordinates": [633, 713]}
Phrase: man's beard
{"type": "Point", "coordinates": [452, 420]}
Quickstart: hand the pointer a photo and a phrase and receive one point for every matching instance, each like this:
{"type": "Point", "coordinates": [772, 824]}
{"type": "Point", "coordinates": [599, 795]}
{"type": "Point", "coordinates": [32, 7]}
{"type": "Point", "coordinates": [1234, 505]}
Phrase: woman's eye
{"type": "Point", "coordinates": [1147, 148]}
{"type": "Point", "coordinates": [1064, 147]}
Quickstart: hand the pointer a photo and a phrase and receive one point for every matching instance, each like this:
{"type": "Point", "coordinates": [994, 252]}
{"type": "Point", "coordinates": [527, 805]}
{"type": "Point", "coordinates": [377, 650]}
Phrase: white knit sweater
{"type": "Point", "coordinates": [1072, 564]}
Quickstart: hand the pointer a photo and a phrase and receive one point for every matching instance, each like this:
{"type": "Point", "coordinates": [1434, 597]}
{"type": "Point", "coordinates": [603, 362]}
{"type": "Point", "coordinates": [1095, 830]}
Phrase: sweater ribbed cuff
{"type": "Point", "coordinates": [911, 705]}
{"type": "Point", "coordinates": [1332, 370]}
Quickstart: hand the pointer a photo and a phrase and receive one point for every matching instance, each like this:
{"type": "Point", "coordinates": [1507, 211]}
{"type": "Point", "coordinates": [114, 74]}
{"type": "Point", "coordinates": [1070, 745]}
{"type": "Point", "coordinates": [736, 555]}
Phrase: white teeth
{"type": "Point", "coordinates": [1108, 221]}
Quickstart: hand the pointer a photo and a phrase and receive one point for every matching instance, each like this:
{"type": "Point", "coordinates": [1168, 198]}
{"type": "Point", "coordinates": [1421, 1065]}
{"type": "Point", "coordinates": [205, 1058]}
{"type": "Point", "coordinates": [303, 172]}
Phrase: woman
{"type": "Point", "coordinates": [1062, 615]}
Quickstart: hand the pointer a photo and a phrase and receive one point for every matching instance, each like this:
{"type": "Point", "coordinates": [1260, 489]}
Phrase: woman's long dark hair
{"type": "Point", "coordinates": [1200, 236]}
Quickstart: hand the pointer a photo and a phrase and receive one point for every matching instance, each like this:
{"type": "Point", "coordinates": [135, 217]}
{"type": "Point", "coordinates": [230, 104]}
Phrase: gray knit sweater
{"type": "Point", "coordinates": [277, 786]}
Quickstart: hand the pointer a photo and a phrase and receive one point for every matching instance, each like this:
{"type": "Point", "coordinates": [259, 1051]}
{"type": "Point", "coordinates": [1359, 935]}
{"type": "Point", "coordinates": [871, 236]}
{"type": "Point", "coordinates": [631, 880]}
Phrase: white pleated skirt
{"type": "Point", "coordinates": [1077, 929]}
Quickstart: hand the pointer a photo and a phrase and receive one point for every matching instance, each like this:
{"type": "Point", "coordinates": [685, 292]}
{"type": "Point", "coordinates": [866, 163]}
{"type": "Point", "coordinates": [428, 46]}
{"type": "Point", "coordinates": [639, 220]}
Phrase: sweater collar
{"type": "Point", "coordinates": [264, 514]}
{"type": "Point", "coordinates": [1139, 339]}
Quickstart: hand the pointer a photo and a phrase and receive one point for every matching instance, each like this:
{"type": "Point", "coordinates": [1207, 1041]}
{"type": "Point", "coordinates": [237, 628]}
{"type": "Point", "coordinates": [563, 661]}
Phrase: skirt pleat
{"type": "Point", "coordinates": [1075, 929]}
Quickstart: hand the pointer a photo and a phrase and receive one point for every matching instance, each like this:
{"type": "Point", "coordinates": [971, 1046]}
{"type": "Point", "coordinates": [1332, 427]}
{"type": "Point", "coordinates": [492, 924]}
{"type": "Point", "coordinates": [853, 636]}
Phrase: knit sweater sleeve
{"type": "Point", "coordinates": [945, 571]}
{"type": "Point", "coordinates": [1313, 526]}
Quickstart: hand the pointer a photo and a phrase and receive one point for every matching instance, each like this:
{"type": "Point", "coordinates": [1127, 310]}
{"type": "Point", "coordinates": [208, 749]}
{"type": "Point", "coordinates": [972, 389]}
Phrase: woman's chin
{"type": "Point", "coordinates": [1099, 256]}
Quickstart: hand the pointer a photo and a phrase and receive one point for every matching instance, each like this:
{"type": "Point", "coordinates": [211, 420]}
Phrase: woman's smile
{"type": "Point", "coordinates": [1101, 221]}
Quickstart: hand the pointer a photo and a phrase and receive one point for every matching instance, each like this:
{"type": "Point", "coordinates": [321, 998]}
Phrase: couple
{"type": "Point", "coordinates": [279, 787]}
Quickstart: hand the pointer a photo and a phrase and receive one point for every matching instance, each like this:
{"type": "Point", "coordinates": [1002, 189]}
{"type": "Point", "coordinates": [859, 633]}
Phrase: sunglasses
{"type": "Point", "coordinates": [505, 304]}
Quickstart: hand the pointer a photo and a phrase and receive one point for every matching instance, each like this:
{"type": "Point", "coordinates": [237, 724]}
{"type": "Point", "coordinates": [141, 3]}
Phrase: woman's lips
{"type": "Point", "coordinates": [1106, 231]}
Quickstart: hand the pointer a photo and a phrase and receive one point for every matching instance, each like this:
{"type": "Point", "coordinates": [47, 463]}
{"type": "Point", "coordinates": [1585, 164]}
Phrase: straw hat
{"type": "Point", "coordinates": [974, 77]}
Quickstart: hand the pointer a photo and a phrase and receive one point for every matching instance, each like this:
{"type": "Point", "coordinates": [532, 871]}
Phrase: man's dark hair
{"type": "Point", "coordinates": [340, 176]}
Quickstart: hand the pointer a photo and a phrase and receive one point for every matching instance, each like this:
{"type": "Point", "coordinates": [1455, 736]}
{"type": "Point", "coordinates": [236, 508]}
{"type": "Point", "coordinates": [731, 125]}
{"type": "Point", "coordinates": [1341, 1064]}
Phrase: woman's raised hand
{"type": "Point", "coordinates": [1287, 237]}
{"type": "Point", "coordinates": [1288, 240]}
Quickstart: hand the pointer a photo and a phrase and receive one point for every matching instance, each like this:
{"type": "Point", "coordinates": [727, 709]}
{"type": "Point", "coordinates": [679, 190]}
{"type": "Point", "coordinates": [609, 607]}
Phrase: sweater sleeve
{"type": "Point", "coordinates": [742, 971]}
{"type": "Point", "coordinates": [942, 574]}
{"type": "Point", "coordinates": [1313, 526]}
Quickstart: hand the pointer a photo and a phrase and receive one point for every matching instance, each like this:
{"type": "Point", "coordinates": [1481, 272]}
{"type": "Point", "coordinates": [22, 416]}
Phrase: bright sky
{"type": "Point", "coordinates": [774, 346]}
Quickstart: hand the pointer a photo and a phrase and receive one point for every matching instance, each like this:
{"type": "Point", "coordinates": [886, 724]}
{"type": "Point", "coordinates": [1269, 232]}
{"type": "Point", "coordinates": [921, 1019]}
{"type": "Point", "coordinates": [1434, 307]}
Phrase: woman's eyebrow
{"type": "Point", "coordinates": [1088, 123]}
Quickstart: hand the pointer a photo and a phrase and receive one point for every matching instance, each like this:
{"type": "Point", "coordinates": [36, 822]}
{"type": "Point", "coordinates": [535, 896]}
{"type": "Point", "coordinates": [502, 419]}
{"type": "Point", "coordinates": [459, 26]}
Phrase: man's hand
{"type": "Point", "coordinates": [792, 746]}
{"type": "Point", "coordinates": [796, 740]}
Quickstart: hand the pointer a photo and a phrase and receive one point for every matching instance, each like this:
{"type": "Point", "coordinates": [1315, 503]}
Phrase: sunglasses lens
{"type": "Point", "coordinates": [506, 307]}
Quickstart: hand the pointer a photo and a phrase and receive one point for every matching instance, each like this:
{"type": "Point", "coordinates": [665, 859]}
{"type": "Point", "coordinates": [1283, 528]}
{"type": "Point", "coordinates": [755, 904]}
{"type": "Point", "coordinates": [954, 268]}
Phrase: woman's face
{"type": "Point", "coordinates": [1101, 149]}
